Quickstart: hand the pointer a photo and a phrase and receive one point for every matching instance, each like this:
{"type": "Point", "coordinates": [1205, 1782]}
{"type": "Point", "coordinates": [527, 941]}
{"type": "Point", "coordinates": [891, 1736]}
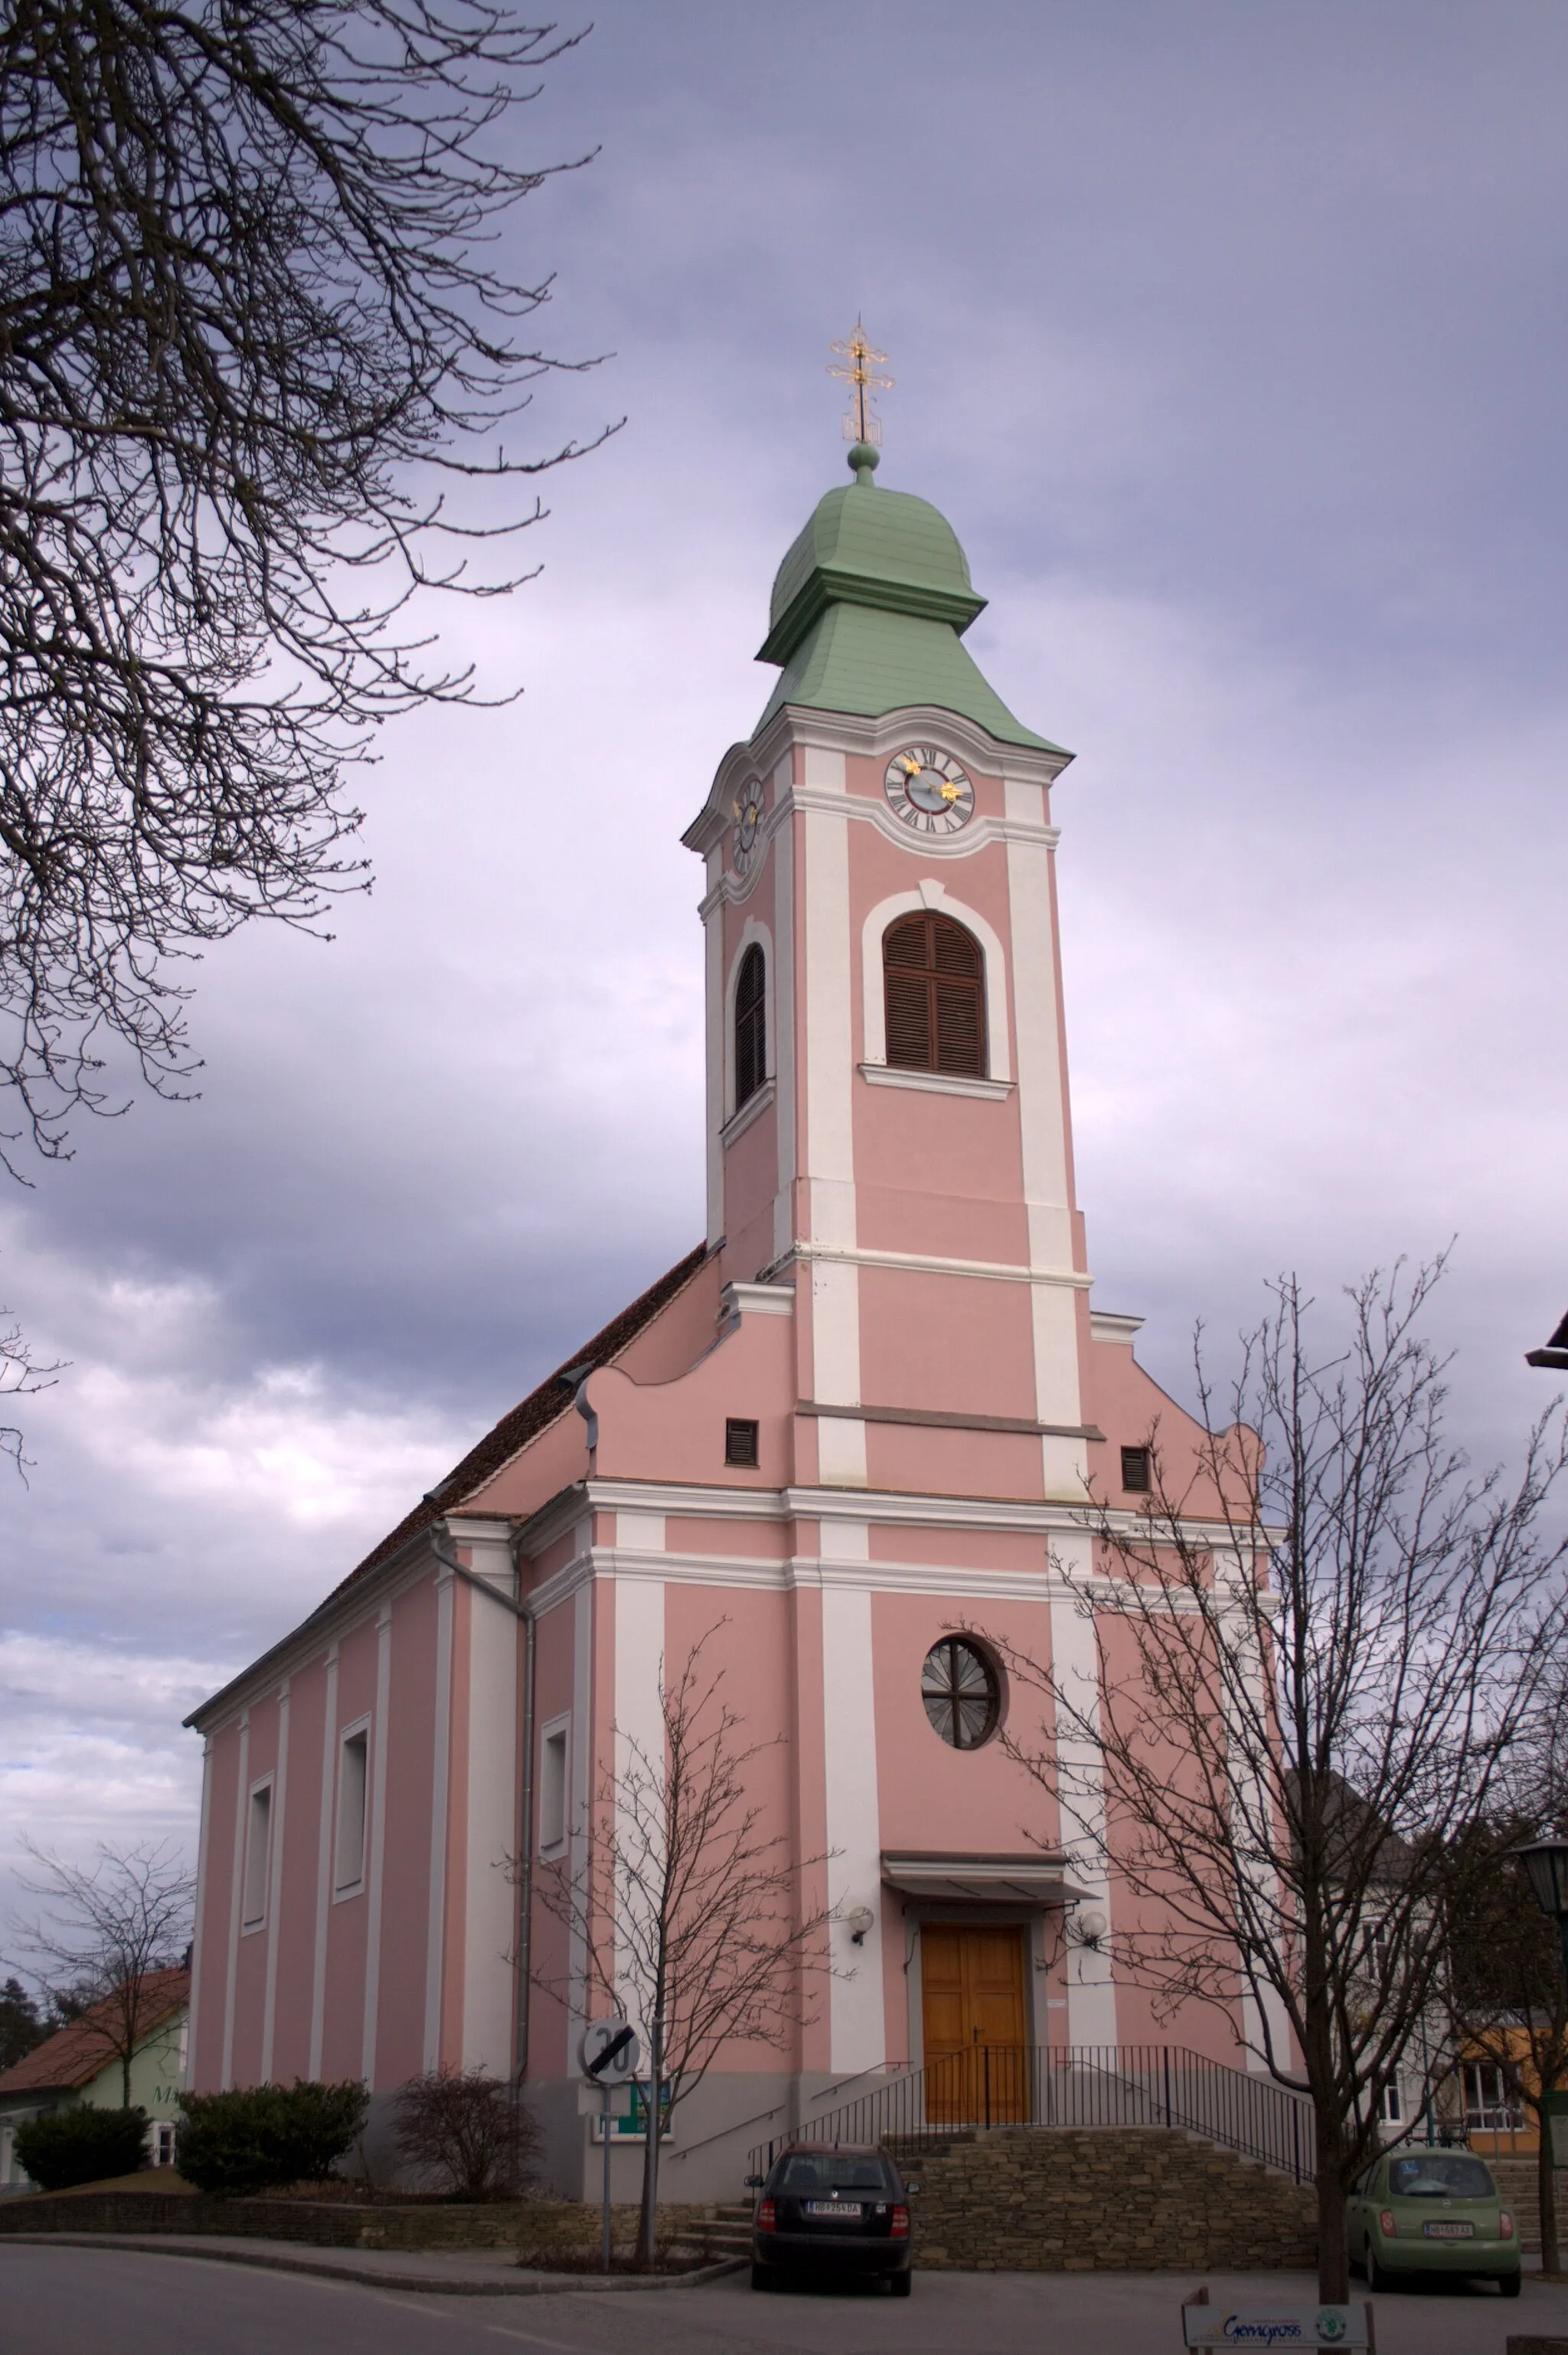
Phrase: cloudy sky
{"type": "Point", "coordinates": [1230, 336]}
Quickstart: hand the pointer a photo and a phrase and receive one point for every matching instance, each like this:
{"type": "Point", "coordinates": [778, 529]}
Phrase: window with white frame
{"type": "Point", "coordinates": [1389, 2108]}
{"type": "Point", "coordinates": [553, 1745]}
{"type": "Point", "coordinates": [1489, 2106]}
{"type": "Point", "coordinates": [161, 2142]}
{"type": "Point", "coordinates": [257, 1855]}
{"type": "Point", "coordinates": [353, 1773]}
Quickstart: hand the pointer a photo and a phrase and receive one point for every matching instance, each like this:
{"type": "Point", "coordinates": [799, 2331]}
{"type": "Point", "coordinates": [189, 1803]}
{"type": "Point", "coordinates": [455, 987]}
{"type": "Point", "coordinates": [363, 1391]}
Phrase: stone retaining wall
{"type": "Point", "coordinates": [1104, 2198]}
{"type": "Point", "coordinates": [526, 2226]}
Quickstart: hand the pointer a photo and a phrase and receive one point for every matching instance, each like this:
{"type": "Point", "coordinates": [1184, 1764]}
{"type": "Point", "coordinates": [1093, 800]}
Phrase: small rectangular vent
{"type": "Point", "coordinates": [1135, 1470]}
{"type": "Point", "coordinates": [740, 1442]}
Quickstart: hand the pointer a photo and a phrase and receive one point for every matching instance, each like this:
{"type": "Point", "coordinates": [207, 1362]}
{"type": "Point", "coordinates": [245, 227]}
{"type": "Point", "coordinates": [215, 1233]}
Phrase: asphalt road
{"type": "Point", "coordinates": [103, 2302]}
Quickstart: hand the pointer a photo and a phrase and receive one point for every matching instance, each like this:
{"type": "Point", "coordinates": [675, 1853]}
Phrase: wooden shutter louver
{"type": "Point", "coordinates": [933, 978]}
{"type": "Point", "coordinates": [750, 1025]}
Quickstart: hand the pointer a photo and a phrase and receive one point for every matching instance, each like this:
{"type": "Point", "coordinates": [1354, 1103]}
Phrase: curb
{"type": "Point", "coordinates": [279, 2261]}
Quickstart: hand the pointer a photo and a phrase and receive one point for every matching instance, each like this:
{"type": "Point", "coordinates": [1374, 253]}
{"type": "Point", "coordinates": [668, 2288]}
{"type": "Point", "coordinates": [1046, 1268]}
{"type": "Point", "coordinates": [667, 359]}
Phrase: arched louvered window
{"type": "Point", "coordinates": [935, 976]}
{"type": "Point", "coordinates": [750, 1025]}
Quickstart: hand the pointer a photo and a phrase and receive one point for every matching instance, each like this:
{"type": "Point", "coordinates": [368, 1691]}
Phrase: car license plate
{"type": "Point", "coordinates": [1449, 2231]}
{"type": "Point", "coordinates": [832, 2207]}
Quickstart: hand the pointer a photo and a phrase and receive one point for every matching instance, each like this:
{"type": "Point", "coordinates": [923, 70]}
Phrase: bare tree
{"type": "Point", "coordinates": [21, 1375]}
{"type": "Point", "coordinates": [689, 1911]}
{"type": "Point", "coordinates": [1509, 1999]}
{"type": "Point", "coordinates": [466, 2128]}
{"type": "Point", "coordinates": [256, 324]}
{"type": "Point", "coordinates": [105, 1932]}
{"type": "Point", "coordinates": [1313, 1662]}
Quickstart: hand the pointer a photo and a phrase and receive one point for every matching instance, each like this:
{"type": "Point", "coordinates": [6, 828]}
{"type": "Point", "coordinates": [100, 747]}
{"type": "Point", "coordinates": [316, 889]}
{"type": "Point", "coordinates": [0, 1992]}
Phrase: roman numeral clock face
{"type": "Point", "coordinates": [927, 788]}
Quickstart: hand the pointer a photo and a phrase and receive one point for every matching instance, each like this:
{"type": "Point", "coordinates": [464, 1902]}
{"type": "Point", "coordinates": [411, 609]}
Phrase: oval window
{"type": "Point", "coordinates": [961, 1691]}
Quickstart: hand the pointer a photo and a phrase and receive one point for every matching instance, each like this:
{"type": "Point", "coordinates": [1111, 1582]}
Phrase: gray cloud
{"type": "Point", "coordinates": [1224, 336]}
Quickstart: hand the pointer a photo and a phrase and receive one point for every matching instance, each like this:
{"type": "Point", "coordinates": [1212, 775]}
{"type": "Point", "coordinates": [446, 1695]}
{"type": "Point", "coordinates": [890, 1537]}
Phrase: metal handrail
{"type": "Point", "coordinates": [996, 2086]}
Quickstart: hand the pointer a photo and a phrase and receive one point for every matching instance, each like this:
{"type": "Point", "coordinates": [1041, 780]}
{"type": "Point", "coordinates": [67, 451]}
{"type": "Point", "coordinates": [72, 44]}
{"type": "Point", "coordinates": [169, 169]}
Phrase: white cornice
{"type": "Point", "coordinates": [841, 732]}
{"type": "Point", "coordinates": [1015, 1515]}
{"type": "Point", "coordinates": [320, 1634]}
{"type": "Point", "coordinates": [922, 1263]}
{"type": "Point", "coordinates": [935, 1084]}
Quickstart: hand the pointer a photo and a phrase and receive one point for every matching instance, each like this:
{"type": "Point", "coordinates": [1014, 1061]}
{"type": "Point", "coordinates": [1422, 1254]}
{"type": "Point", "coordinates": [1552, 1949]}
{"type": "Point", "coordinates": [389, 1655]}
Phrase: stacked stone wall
{"type": "Point", "coordinates": [1104, 2198]}
{"type": "Point", "coordinates": [525, 2225]}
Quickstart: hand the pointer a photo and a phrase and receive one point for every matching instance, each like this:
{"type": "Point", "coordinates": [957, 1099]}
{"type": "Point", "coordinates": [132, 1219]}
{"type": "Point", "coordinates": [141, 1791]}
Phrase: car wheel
{"type": "Point", "coordinates": [1377, 2275]}
{"type": "Point", "coordinates": [1511, 2284]}
{"type": "Point", "coordinates": [901, 2284]}
{"type": "Point", "coordinates": [760, 2277]}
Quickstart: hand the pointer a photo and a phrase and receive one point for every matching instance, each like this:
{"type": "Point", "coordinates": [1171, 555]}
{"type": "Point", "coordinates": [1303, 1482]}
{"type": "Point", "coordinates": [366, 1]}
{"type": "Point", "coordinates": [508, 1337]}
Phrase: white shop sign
{"type": "Point", "coordinates": [1221, 2324]}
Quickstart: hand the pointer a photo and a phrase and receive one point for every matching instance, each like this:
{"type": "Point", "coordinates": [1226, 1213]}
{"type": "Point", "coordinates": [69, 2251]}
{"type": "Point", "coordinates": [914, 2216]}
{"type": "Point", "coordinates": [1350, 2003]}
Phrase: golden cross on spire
{"type": "Point", "coordinates": [860, 420]}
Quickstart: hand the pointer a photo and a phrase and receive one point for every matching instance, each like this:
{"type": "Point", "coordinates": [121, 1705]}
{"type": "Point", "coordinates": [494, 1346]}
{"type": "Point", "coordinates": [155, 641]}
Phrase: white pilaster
{"type": "Point", "coordinates": [713, 957]}
{"type": "Point", "coordinates": [381, 1740]}
{"type": "Point", "coordinates": [323, 1864]}
{"type": "Point", "coordinates": [237, 1900]}
{"type": "Point", "coordinates": [198, 1943]}
{"type": "Point", "coordinates": [829, 1159]}
{"type": "Point", "coordinates": [639, 1669]}
{"type": "Point", "coordinates": [857, 2022]}
{"type": "Point", "coordinates": [783, 1048]}
{"type": "Point", "coordinates": [1075, 1659]}
{"type": "Point", "coordinates": [275, 1891]}
{"type": "Point", "coordinates": [1042, 1112]}
{"type": "Point", "coordinates": [490, 1808]}
{"type": "Point", "coordinates": [440, 1800]}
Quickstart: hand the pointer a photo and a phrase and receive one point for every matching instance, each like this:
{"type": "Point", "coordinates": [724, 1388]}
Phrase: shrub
{"type": "Point", "coordinates": [470, 2132]}
{"type": "Point", "coordinates": [265, 2136]}
{"type": "Point", "coordinates": [60, 2147]}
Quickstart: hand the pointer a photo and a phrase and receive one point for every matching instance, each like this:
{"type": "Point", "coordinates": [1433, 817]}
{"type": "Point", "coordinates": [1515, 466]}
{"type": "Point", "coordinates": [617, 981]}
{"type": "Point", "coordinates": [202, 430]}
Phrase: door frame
{"type": "Point", "coordinates": [1038, 1960]}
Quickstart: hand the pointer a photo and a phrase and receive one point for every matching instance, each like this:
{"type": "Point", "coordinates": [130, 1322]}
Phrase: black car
{"type": "Point", "coordinates": [831, 2210]}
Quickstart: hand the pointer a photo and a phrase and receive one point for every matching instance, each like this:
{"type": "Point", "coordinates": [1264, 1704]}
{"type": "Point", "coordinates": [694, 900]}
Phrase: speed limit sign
{"type": "Point", "coordinates": [609, 2052]}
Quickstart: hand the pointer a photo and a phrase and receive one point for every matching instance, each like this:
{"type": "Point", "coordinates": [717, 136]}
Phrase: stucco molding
{"type": "Point", "coordinates": [929, 893]}
{"type": "Point", "coordinates": [936, 1083]}
{"type": "Point", "coordinates": [921, 1264]}
{"type": "Point", "coordinates": [754, 933]}
{"type": "Point", "coordinates": [758, 1100]}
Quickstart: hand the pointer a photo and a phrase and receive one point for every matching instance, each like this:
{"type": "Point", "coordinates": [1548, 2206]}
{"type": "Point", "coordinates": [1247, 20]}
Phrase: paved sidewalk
{"type": "Point", "coordinates": [447, 2273]}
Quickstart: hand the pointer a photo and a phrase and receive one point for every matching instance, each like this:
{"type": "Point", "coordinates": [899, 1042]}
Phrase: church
{"type": "Point", "coordinates": [850, 1430]}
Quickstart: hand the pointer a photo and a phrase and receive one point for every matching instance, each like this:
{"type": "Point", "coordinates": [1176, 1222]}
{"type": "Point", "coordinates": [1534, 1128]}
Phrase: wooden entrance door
{"type": "Point", "coordinates": [976, 2036]}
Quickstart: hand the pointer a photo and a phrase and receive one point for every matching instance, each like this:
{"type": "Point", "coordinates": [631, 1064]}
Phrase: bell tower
{"type": "Point", "coordinates": [887, 1104]}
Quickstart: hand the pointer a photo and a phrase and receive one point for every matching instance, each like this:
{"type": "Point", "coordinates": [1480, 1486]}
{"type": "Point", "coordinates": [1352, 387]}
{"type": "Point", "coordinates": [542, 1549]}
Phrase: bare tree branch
{"type": "Point", "coordinates": [1315, 1661]}
{"type": "Point", "coordinates": [104, 1933]}
{"type": "Point", "coordinates": [690, 1914]}
{"type": "Point", "coordinates": [21, 1375]}
{"type": "Point", "coordinates": [254, 331]}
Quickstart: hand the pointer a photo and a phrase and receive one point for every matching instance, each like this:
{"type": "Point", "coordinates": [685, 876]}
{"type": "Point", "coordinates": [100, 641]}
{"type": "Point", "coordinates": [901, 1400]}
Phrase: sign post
{"type": "Point", "coordinates": [608, 2055]}
{"type": "Point", "coordinates": [1275, 2325]}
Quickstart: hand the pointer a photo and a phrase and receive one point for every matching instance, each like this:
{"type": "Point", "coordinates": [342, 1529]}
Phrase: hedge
{"type": "Point", "coordinates": [264, 2137]}
{"type": "Point", "coordinates": [62, 2147]}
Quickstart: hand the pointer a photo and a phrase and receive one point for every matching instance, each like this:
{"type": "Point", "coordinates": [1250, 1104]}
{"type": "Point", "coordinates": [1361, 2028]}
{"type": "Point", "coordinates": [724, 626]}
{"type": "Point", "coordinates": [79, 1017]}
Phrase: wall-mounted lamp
{"type": "Point", "coordinates": [1089, 1926]}
{"type": "Point", "coordinates": [857, 1922]}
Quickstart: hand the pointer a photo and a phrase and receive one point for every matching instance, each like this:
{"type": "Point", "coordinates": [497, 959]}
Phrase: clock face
{"type": "Point", "coordinates": [927, 788]}
{"type": "Point", "coordinates": [747, 811]}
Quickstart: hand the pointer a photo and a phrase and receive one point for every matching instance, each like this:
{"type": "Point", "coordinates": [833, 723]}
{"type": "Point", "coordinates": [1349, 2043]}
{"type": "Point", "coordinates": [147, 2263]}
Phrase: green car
{"type": "Point", "coordinates": [1431, 2211]}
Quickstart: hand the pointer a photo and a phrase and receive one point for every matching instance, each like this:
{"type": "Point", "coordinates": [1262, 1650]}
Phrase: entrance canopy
{"type": "Point", "coordinates": [946, 1877]}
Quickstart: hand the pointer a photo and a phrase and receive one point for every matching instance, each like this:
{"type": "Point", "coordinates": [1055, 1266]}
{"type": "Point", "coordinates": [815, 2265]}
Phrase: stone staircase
{"type": "Point", "coordinates": [720, 2232]}
{"type": "Point", "coordinates": [1113, 2198]}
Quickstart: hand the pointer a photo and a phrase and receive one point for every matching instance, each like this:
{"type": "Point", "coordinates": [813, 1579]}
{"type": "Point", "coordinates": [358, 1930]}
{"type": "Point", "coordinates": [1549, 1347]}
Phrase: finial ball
{"type": "Point", "coordinates": [863, 461]}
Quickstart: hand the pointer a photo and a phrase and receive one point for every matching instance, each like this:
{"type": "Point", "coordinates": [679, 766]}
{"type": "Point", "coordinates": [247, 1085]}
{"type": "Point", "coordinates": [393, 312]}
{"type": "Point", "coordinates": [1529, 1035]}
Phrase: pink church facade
{"type": "Point", "coordinates": [864, 1415]}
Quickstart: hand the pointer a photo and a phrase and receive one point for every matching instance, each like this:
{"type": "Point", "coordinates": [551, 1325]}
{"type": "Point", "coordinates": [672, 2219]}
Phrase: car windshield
{"type": "Point", "coordinates": [1440, 2178]}
{"type": "Point", "coordinates": [833, 2171]}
